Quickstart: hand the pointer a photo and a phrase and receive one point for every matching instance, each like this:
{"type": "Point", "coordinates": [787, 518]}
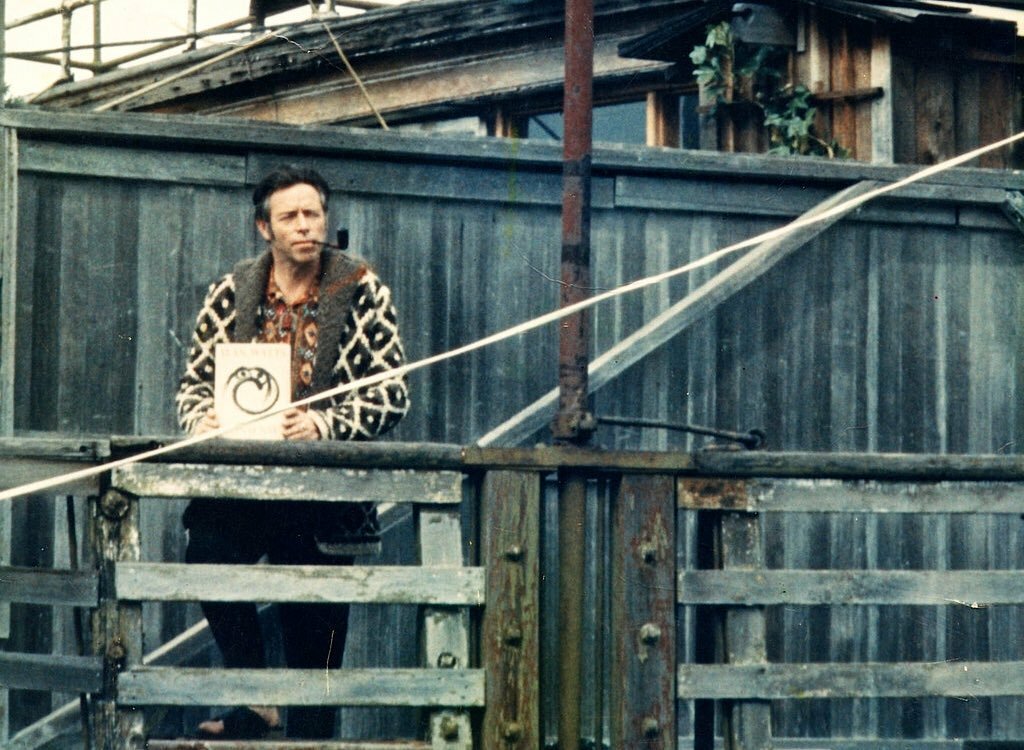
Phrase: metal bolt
{"type": "Point", "coordinates": [650, 633]}
{"type": "Point", "coordinates": [651, 727]}
{"type": "Point", "coordinates": [114, 505]}
{"type": "Point", "coordinates": [447, 660]}
{"type": "Point", "coordinates": [514, 553]}
{"type": "Point", "coordinates": [116, 652]}
{"type": "Point", "coordinates": [449, 728]}
{"type": "Point", "coordinates": [512, 636]}
{"type": "Point", "coordinates": [512, 732]}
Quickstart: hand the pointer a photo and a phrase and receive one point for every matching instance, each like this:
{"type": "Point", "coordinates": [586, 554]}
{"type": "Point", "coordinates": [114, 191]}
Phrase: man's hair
{"type": "Point", "coordinates": [284, 177]}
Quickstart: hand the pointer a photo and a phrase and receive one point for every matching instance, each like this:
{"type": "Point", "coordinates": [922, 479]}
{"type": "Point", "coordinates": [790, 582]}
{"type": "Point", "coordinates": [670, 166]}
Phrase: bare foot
{"type": "Point", "coordinates": [269, 714]}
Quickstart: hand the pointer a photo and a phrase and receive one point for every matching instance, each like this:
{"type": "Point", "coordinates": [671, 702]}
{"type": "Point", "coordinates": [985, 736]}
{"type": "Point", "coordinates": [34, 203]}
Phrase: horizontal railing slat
{"type": "Point", "coordinates": [851, 496]}
{"type": "Point", "coordinates": [289, 483]}
{"type": "Point", "coordinates": [138, 581]}
{"type": "Point", "coordinates": [304, 687]}
{"type": "Point", "coordinates": [48, 586]}
{"type": "Point", "coordinates": [968, 588]}
{"type": "Point", "coordinates": [288, 745]}
{"type": "Point", "coordinates": [53, 673]}
{"type": "Point", "coordinates": [844, 680]}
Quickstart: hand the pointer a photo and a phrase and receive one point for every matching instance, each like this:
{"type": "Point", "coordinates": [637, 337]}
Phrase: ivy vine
{"type": "Point", "coordinates": [732, 72]}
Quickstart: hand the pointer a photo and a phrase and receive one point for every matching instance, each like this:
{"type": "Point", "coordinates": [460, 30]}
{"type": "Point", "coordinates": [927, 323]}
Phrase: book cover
{"type": "Point", "coordinates": [250, 380]}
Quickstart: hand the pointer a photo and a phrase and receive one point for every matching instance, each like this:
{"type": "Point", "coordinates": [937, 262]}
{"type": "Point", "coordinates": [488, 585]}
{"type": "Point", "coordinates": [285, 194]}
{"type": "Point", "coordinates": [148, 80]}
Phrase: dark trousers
{"type": "Point", "coordinates": [313, 635]}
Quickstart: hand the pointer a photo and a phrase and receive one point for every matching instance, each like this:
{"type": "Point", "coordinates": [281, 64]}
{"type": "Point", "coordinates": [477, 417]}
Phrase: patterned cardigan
{"type": "Point", "coordinates": [358, 337]}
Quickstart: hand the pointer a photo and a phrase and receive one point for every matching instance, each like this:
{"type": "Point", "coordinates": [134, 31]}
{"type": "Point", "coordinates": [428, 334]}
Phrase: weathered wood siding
{"type": "Point", "coordinates": [895, 330]}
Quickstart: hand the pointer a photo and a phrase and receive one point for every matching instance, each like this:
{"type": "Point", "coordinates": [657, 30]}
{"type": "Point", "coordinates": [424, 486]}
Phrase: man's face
{"type": "Point", "coordinates": [297, 225]}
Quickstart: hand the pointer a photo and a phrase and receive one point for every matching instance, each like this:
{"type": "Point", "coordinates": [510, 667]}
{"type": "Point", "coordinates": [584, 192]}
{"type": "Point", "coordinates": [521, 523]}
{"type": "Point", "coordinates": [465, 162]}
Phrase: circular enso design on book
{"type": "Point", "coordinates": [253, 389]}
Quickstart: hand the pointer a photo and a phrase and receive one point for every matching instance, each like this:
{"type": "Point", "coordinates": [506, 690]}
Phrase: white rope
{"type": "Point", "coordinates": [517, 330]}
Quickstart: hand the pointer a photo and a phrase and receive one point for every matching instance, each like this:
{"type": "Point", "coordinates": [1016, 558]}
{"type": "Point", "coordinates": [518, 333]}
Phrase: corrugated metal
{"type": "Point", "coordinates": [896, 330]}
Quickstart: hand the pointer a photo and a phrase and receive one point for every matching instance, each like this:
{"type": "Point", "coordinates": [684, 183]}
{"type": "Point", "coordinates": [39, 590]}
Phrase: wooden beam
{"type": "Point", "coordinates": [973, 589]}
{"type": "Point", "coordinates": [663, 119]}
{"type": "Point", "coordinates": [46, 586]}
{"type": "Point", "coordinates": [289, 483]}
{"type": "Point", "coordinates": [338, 99]}
{"type": "Point", "coordinates": [144, 686]}
{"type": "Point", "coordinates": [678, 317]}
{"type": "Point", "coordinates": [58, 673]}
{"type": "Point", "coordinates": [843, 680]}
{"type": "Point", "coordinates": [8, 273]}
{"type": "Point", "coordinates": [180, 582]}
{"type": "Point", "coordinates": [882, 129]}
{"type": "Point", "coordinates": [854, 496]}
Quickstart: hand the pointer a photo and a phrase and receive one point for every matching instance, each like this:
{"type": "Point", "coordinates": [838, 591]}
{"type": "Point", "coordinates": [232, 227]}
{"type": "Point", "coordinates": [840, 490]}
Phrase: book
{"type": "Point", "coordinates": [250, 380]}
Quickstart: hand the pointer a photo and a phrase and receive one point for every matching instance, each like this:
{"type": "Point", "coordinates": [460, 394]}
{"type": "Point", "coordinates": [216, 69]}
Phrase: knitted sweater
{"type": "Point", "coordinates": [358, 337]}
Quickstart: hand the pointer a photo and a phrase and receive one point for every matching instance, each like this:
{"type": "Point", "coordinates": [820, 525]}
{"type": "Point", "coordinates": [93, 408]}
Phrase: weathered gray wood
{"type": "Point", "coordinates": [341, 687]}
{"type": "Point", "coordinates": [177, 582]}
{"type": "Point", "coordinates": [643, 614]}
{"type": "Point", "coordinates": [445, 629]}
{"type": "Point", "coordinates": [866, 680]}
{"type": "Point", "coordinates": [47, 586]}
{"type": "Point", "coordinates": [679, 316]}
{"type": "Point", "coordinates": [510, 528]}
{"type": "Point", "coordinates": [746, 723]}
{"type": "Point", "coordinates": [972, 589]}
{"type": "Point", "coordinates": [116, 625]}
{"type": "Point", "coordinates": [291, 745]}
{"type": "Point", "coordinates": [326, 453]}
{"type": "Point", "coordinates": [56, 673]}
{"type": "Point", "coordinates": [287, 483]}
{"type": "Point", "coordinates": [9, 154]}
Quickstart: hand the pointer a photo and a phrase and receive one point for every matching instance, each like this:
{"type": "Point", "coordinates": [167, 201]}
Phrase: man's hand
{"type": "Point", "coordinates": [298, 425]}
{"type": "Point", "coordinates": [208, 423]}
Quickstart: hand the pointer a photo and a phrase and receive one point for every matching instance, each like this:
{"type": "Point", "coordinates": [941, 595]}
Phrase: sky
{"type": "Point", "coordinates": [122, 20]}
{"type": "Point", "coordinates": [131, 20]}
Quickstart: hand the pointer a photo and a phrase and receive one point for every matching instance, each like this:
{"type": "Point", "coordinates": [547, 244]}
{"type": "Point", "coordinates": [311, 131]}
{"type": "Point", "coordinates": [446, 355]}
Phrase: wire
{"type": "Point", "coordinates": [523, 327]}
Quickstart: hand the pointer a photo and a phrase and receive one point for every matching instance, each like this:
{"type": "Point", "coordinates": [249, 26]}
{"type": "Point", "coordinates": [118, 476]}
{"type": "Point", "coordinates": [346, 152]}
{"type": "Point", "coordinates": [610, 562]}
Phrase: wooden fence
{"type": "Point", "coordinates": [479, 581]}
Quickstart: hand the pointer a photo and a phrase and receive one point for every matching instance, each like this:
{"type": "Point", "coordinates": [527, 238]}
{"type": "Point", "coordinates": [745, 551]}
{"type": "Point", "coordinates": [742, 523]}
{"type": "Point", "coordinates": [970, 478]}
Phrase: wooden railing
{"type": "Point", "coordinates": [479, 679]}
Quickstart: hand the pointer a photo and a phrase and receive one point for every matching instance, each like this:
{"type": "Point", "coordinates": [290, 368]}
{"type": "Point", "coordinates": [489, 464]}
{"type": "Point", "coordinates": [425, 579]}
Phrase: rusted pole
{"type": "Point", "coordinates": [573, 423]}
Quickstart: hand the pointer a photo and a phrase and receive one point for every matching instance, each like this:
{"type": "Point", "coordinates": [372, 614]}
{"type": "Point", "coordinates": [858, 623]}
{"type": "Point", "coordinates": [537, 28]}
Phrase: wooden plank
{"type": "Point", "coordinates": [179, 582]}
{"type": "Point", "coordinates": [864, 680]}
{"type": "Point", "coordinates": [643, 706]}
{"type": "Point", "coordinates": [47, 586]}
{"type": "Point", "coordinates": [746, 723]}
{"type": "Point", "coordinates": [882, 108]}
{"type": "Point", "coordinates": [287, 745]}
{"type": "Point", "coordinates": [52, 673]}
{"type": "Point", "coordinates": [445, 629]}
{"type": "Point", "coordinates": [970, 589]}
{"type": "Point", "coordinates": [289, 483]}
{"type": "Point", "coordinates": [837, 496]}
{"type": "Point", "coordinates": [9, 156]}
{"type": "Point", "coordinates": [678, 317]}
{"type": "Point", "coordinates": [132, 164]}
{"type": "Point", "coordinates": [510, 547]}
{"type": "Point", "coordinates": [301, 687]}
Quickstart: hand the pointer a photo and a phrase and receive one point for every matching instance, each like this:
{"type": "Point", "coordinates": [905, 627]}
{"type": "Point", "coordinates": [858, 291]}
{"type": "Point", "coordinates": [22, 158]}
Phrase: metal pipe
{"type": "Point", "coordinates": [573, 423]}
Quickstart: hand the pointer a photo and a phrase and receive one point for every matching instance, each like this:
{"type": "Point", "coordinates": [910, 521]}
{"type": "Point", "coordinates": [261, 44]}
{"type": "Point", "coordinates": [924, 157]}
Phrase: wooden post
{"type": "Point", "coordinates": [643, 697]}
{"type": "Point", "coordinates": [445, 629]}
{"type": "Point", "coordinates": [510, 546]}
{"type": "Point", "coordinates": [8, 276]}
{"type": "Point", "coordinates": [746, 724]}
{"type": "Point", "coordinates": [117, 627]}
{"type": "Point", "coordinates": [663, 119]}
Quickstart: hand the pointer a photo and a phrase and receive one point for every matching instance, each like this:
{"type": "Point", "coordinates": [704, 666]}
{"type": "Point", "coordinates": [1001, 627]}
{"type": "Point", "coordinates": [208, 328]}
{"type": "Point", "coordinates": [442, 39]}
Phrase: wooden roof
{"type": "Point", "coordinates": [421, 33]}
{"type": "Point", "coordinates": [673, 40]}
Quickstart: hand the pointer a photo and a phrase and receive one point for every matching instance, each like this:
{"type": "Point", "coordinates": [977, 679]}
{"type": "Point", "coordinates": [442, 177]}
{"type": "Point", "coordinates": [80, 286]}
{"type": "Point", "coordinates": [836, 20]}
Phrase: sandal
{"type": "Point", "coordinates": [240, 723]}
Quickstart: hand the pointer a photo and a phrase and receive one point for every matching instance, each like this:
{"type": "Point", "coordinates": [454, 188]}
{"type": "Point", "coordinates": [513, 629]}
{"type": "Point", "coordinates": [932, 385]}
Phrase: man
{"type": "Point", "coordinates": [339, 321]}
